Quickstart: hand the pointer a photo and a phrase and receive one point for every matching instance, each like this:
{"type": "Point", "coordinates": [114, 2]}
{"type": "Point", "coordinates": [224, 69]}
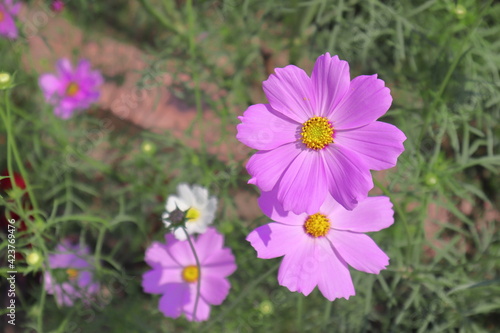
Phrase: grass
{"type": "Point", "coordinates": [440, 59]}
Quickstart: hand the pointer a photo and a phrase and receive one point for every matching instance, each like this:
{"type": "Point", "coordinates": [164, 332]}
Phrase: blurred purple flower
{"type": "Point", "coordinates": [318, 248]}
{"type": "Point", "coordinates": [57, 6]}
{"type": "Point", "coordinates": [71, 274]}
{"type": "Point", "coordinates": [71, 90]}
{"type": "Point", "coordinates": [8, 9]}
{"type": "Point", "coordinates": [319, 135]}
{"type": "Point", "coordinates": [175, 275]}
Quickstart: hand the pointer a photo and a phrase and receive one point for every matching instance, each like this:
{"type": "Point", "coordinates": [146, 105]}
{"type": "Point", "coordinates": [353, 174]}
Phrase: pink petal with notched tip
{"type": "Point", "coordinates": [359, 251]}
{"type": "Point", "coordinates": [334, 279]}
{"type": "Point", "coordinates": [367, 100]}
{"type": "Point", "coordinates": [275, 239]}
{"type": "Point", "coordinates": [299, 269]}
{"type": "Point", "coordinates": [290, 92]}
{"type": "Point", "coordinates": [371, 214]}
{"type": "Point", "coordinates": [330, 78]}
{"type": "Point", "coordinates": [264, 128]}
{"type": "Point", "coordinates": [379, 144]}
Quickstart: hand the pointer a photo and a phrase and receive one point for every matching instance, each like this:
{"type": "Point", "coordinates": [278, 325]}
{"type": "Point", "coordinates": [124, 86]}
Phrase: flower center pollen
{"type": "Point", "coordinates": [2, 16]}
{"type": "Point", "coordinates": [317, 225]}
{"type": "Point", "coordinates": [190, 274]}
{"type": "Point", "coordinates": [317, 133]}
{"type": "Point", "coordinates": [72, 273]}
{"type": "Point", "coordinates": [72, 89]}
{"type": "Point", "coordinates": [192, 214]}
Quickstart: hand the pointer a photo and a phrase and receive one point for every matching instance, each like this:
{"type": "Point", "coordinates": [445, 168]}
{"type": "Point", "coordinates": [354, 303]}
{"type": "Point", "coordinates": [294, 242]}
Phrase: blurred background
{"type": "Point", "coordinates": [177, 75]}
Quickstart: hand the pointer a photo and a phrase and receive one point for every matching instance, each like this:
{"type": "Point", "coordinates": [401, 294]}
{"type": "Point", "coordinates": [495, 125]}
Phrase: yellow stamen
{"type": "Point", "coordinates": [317, 133]}
{"type": "Point", "coordinates": [192, 214]}
{"type": "Point", "coordinates": [72, 89]}
{"type": "Point", "coordinates": [2, 15]}
{"type": "Point", "coordinates": [72, 273]}
{"type": "Point", "coordinates": [190, 274]}
{"type": "Point", "coordinates": [317, 225]}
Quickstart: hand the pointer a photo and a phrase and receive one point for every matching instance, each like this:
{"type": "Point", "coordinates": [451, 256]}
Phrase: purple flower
{"type": "Point", "coordinates": [71, 90]}
{"type": "Point", "coordinates": [319, 135]}
{"type": "Point", "coordinates": [8, 10]}
{"type": "Point", "coordinates": [175, 275]}
{"type": "Point", "coordinates": [318, 248]}
{"type": "Point", "coordinates": [57, 6]}
{"type": "Point", "coordinates": [71, 274]}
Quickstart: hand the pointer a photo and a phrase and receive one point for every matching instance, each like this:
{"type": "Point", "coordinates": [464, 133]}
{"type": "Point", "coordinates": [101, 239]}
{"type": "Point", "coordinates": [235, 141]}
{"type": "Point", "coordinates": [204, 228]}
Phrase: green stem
{"type": "Point", "coordinates": [198, 266]}
{"type": "Point", "coordinates": [98, 248]}
{"type": "Point", "coordinates": [12, 144]}
{"type": "Point", "coordinates": [159, 17]}
{"type": "Point", "coordinates": [397, 208]}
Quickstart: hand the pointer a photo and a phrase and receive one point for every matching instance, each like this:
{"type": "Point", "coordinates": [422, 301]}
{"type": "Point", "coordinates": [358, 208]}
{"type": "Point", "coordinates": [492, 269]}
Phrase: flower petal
{"type": "Point", "coordinates": [330, 78]}
{"type": "Point", "coordinates": [303, 186]}
{"type": "Point", "coordinates": [214, 289]}
{"type": "Point", "coordinates": [302, 264]}
{"type": "Point", "coordinates": [180, 251]}
{"type": "Point", "coordinates": [359, 251]}
{"type": "Point", "coordinates": [367, 99]}
{"type": "Point", "coordinates": [334, 279]}
{"type": "Point", "coordinates": [203, 309]}
{"type": "Point", "coordinates": [208, 243]}
{"type": "Point", "coordinates": [174, 202]}
{"type": "Point", "coordinates": [49, 84]}
{"type": "Point", "coordinates": [158, 256]}
{"type": "Point", "coordinates": [156, 280]}
{"type": "Point", "coordinates": [371, 214]}
{"type": "Point", "coordinates": [350, 178]}
{"type": "Point", "coordinates": [270, 205]}
{"type": "Point", "coordinates": [223, 264]}
{"type": "Point", "coordinates": [263, 128]}
{"type": "Point", "coordinates": [266, 167]}
{"type": "Point", "coordinates": [65, 69]}
{"type": "Point", "coordinates": [175, 298]}
{"type": "Point", "coordinates": [275, 239]}
{"type": "Point", "coordinates": [290, 92]}
{"type": "Point", "coordinates": [186, 194]}
{"type": "Point", "coordinates": [378, 143]}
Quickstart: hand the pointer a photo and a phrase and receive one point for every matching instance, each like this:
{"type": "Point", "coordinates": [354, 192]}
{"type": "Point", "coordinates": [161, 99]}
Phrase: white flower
{"type": "Point", "coordinates": [199, 207]}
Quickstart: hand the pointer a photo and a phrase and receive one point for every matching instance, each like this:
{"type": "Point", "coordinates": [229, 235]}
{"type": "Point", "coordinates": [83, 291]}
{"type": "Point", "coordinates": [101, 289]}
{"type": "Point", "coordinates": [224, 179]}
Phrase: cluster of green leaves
{"type": "Point", "coordinates": [103, 181]}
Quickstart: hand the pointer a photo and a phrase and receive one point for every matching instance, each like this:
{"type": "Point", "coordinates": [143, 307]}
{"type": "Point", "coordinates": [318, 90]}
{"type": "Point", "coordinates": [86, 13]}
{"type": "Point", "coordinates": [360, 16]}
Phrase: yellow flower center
{"type": "Point", "coordinates": [192, 214]}
{"type": "Point", "coordinates": [317, 225]}
{"type": "Point", "coordinates": [72, 273]}
{"type": "Point", "coordinates": [317, 133]}
{"type": "Point", "coordinates": [72, 89]}
{"type": "Point", "coordinates": [190, 274]}
{"type": "Point", "coordinates": [2, 15]}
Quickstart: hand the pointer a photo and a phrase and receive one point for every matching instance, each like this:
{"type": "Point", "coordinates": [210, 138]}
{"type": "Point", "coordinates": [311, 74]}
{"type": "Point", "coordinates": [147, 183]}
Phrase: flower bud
{"type": "Point", "coordinates": [34, 258]}
{"type": "Point", "coordinates": [148, 148]}
{"type": "Point", "coordinates": [5, 81]}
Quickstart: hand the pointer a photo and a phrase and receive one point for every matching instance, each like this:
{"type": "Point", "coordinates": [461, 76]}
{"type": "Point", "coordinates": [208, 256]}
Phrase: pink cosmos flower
{"type": "Point", "coordinates": [317, 248]}
{"type": "Point", "coordinates": [175, 274]}
{"type": "Point", "coordinates": [8, 9]}
{"type": "Point", "coordinates": [71, 274]}
{"type": "Point", "coordinates": [71, 90]}
{"type": "Point", "coordinates": [319, 135]}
